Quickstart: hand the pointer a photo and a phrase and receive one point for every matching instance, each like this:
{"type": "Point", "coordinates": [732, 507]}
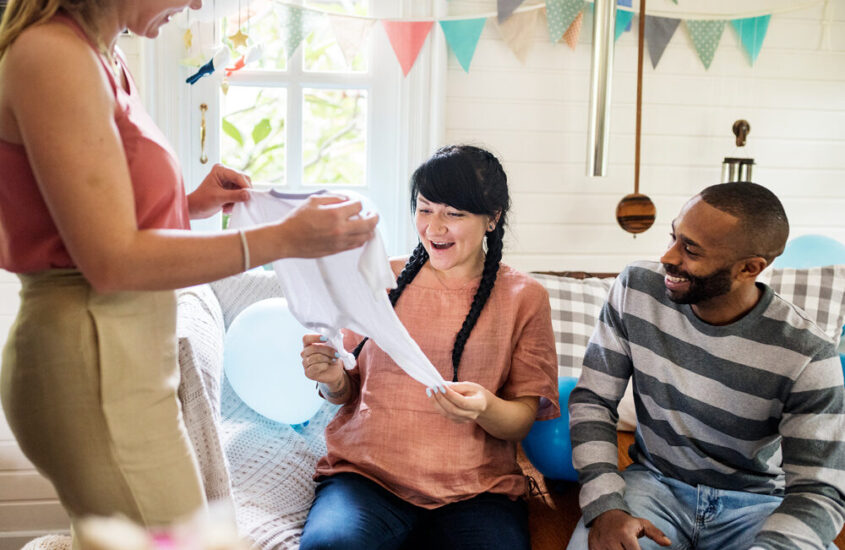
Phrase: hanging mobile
{"type": "Point", "coordinates": [635, 212]}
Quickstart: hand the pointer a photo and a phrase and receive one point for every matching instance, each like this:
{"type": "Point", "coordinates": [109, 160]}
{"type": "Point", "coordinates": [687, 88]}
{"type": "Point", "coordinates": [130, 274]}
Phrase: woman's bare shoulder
{"type": "Point", "coordinates": [397, 264]}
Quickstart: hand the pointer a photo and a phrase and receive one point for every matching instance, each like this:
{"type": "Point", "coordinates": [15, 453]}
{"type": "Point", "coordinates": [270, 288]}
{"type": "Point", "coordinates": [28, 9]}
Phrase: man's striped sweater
{"type": "Point", "coordinates": [757, 405]}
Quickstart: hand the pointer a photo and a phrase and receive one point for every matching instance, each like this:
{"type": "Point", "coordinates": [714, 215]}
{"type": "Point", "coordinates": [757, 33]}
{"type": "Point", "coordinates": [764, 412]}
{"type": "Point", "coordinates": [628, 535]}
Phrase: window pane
{"type": "Point", "coordinates": [253, 132]}
{"type": "Point", "coordinates": [322, 52]}
{"type": "Point", "coordinates": [334, 126]}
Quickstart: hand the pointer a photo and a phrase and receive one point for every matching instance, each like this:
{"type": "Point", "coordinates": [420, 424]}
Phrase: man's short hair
{"type": "Point", "coordinates": [761, 215]}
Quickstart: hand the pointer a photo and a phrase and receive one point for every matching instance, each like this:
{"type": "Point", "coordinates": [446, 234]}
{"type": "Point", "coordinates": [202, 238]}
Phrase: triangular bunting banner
{"type": "Point", "coordinates": [574, 31]}
{"type": "Point", "coordinates": [462, 36]}
{"type": "Point", "coordinates": [518, 32]}
{"type": "Point", "coordinates": [658, 33]}
{"type": "Point", "coordinates": [752, 31]}
{"type": "Point", "coordinates": [627, 4]}
{"type": "Point", "coordinates": [623, 19]}
{"type": "Point", "coordinates": [407, 38]}
{"type": "Point", "coordinates": [296, 24]}
{"type": "Point", "coordinates": [705, 36]}
{"type": "Point", "coordinates": [560, 14]}
{"type": "Point", "coordinates": [350, 33]}
{"type": "Point", "coordinates": [506, 7]}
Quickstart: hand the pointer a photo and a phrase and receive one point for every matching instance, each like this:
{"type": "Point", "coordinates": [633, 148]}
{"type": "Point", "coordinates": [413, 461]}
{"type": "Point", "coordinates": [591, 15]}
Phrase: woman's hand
{"type": "Point", "coordinates": [221, 188]}
{"type": "Point", "coordinates": [462, 402]}
{"type": "Point", "coordinates": [320, 361]}
{"type": "Point", "coordinates": [326, 224]}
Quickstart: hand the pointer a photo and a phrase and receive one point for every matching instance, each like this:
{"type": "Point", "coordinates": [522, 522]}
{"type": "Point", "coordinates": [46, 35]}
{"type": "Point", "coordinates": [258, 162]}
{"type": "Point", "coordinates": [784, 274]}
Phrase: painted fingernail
{"type": "Point", "coordinates": [442, 389]}
{"type": "Point", "coordinates": [323, 339]}
{"type": "Point", "coordinates": [428, 392]}
{"type": "Point", "coordinates": [336, 355]}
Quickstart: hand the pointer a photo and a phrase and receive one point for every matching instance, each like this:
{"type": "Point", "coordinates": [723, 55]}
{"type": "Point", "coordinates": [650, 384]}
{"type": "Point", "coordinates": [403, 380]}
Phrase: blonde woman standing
{"type": "Point", "coordinates": [94, 220]}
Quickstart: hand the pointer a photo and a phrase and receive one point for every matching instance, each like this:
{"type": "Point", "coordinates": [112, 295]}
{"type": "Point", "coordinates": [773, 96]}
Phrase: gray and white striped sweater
{"type": "Point", "coordinates": [757, 405]}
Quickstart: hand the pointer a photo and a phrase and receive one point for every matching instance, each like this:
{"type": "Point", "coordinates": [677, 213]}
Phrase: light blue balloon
{"type": "Point", "coordinates": [262, 363]}
{"type": "Point", "coordinates": [547, 445]}
{"type": "Point", "coordinates": [811, 251]}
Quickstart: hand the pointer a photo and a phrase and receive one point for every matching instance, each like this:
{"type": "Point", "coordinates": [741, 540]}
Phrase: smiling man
{"type": "Point", "coordinates": [740, 403]}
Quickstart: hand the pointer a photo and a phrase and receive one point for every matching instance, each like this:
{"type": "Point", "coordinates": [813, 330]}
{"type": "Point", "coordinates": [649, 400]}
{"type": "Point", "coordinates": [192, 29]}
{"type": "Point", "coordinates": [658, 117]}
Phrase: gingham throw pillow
{"type": "Point", "coordinates": [576, 304]}
{"type": "Point", "coordinates": [819, 291]}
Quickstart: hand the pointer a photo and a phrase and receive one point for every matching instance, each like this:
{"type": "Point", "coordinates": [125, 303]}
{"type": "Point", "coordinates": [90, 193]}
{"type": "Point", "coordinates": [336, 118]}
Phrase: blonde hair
{"type": "Point", "coordinates": [22, 14]}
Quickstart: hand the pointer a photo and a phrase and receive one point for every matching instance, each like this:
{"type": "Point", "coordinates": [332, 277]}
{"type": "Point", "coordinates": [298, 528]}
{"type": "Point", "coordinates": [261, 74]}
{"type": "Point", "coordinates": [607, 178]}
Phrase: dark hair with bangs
{"type": "Point", "coordinates": [471, 179]}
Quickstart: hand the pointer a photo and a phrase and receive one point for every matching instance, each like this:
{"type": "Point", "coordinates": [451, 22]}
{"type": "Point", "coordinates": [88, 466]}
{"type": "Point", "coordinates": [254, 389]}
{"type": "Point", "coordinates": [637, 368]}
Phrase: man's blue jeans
{"type": "Point", "coordinates": [699, 517]}
{"type": "Point", "coordinates": [351, 512]}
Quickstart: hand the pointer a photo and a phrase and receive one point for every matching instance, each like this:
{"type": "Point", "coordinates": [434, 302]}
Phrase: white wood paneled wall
{"type": "Point", "coordinates": [534, 117]}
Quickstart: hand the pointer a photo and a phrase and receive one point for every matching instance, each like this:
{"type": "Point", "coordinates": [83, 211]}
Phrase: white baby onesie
{"type": "Point", "coordinates": [344, 290]}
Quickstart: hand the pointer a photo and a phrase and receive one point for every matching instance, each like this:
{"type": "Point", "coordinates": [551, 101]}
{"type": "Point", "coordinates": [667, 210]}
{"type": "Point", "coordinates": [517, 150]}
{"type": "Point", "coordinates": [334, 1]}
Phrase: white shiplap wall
{"type": "Point", "coordinates": [534, 117]}
{"type": "Point", "coordinates": [28, 504]}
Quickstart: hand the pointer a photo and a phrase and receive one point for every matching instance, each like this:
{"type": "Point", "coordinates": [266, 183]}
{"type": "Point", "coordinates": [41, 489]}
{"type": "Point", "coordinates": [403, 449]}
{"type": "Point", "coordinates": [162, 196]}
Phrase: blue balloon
{"type": "Point", "coordinates": [811, 251]}
{"type": "Point", "coordinates": [547, 445]}
{"type": "Point", "coordinates": [262, 363]}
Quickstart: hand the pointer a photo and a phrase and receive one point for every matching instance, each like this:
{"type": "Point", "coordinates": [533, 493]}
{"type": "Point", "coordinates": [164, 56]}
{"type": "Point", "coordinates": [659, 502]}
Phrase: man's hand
{"type": "Point", "coordinates": [616, 529]}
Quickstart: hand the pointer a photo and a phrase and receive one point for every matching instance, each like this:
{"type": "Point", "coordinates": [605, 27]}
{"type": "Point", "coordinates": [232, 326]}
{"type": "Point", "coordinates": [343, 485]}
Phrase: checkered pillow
{"type": "Point", "coordinates": [576, 304]}
{"type": "Point", "coordinates": [819, 291]}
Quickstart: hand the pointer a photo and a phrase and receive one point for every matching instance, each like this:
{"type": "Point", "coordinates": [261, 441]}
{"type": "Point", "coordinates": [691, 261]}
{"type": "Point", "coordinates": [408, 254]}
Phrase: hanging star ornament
{"type": "Point", "coordinates": [188, 39]}
{"type": "Point", "coordinates": [238, 39]}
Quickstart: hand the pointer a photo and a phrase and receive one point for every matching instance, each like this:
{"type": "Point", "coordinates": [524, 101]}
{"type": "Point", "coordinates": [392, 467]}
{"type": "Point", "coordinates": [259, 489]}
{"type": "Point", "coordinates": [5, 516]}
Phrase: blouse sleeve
{"type": "Point", "coordinates": [533, 369]}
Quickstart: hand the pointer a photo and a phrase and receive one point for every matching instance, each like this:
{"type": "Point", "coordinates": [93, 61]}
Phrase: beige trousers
{"type": "Point", "coordinates": [89, 386]}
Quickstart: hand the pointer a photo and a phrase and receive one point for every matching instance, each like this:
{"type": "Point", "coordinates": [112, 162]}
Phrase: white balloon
{"type": "Point", "coordinates": [262, 363]}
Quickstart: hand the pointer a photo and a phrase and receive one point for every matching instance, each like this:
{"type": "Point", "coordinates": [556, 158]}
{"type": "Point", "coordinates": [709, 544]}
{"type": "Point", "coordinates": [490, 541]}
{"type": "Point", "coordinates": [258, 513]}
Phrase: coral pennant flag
{"type": "Point", "coordinates": [406, 38]}
{"type": "Point", "coordinates": [462, 36]}
{"type": "Point", "coordinates": [574, 31]}
{"type": "Point", "coordinates": [505, 8]}
{"type": "Point", "coordinates": [658, 33]}
{"type": "Point", "coordinates": [752, 31]}
{"type": "Point", "coordinates": [350, 33]}
{"type": "Point", "coordinates": [560, 15]}
{"type": "Point", "coordinates": [705, 36]}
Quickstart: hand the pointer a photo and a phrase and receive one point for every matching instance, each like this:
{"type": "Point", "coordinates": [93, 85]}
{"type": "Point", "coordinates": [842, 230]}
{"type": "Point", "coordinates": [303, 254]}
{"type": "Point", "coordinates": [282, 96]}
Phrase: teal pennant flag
{"type": "Point", "coordinates": [752, 31]}
{"type": "Point", "coordinates": [623, 19]}
{"type": "Point", "coordinates": [462, 36]}
{"type": "Point", "coordinates": [560, 14]}
{"type": "Point", "coordinates": [705, 36]}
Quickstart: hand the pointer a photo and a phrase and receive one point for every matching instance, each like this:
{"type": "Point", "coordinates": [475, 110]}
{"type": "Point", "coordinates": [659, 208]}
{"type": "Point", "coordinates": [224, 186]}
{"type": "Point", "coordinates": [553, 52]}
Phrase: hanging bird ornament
{"type": "Point", "coordinates": [220, 59]}
{"type": "Point", "coordinates": [252, 55]}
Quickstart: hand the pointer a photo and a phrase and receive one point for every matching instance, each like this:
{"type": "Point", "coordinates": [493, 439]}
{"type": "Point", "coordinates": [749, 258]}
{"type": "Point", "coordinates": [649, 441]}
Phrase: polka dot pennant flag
{"type": "Point", "coordinates": [705, 37]}
{"type": "Point", "coordinates": [407, 38]}
{"type": "Point", "coordinates": [462, 36]}
{"type": "Point", "coordinates": [296, 24]}
{"type": "Point", "coordinates": [560, 14]}
{"type": "Point", "coordinates": [351, 34]}
{"type": "Point", "coordinates": [574, 31]}
{"type": "Point", "coordinates": [506, 8]}
{"type": "Point", "coordinates": [752, 31]}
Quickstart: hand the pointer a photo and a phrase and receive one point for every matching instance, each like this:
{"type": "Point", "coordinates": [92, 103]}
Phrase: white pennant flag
{"type": "Point", "coordinates": [350, 33]}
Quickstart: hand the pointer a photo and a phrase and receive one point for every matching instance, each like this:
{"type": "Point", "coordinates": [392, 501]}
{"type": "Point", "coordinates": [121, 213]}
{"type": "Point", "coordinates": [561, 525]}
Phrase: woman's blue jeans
{"type": "Point", "coordinates": [351, 512]}
{"type": "Point", "coordinates": [697, 517]}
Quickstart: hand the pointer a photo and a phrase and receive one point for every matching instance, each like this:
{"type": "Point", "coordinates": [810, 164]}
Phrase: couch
{"type": "Point", "coordinates": [265, 468]}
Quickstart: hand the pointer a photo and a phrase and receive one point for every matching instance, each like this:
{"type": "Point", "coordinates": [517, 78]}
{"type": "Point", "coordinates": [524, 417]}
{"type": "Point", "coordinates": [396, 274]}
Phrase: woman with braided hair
{"type": "Point", "coordinates": [407, 469]}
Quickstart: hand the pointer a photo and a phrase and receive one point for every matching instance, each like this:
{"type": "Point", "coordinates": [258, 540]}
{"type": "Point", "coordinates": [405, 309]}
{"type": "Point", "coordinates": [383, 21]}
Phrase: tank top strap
{"type": "Point", "coordinates": [64, 17]}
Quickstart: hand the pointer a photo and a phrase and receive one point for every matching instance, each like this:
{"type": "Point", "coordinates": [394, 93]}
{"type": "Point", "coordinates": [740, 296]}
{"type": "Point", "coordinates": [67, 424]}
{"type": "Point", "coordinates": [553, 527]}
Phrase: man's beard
{"type": "Point", "coordinates": [700, 289]}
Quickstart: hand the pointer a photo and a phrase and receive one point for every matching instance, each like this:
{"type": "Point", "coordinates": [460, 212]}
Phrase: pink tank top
{"type": "Point", "coordinates": [29, 239]}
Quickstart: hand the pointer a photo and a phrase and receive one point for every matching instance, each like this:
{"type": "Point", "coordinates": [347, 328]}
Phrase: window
{"type": "Point", "coordinates": [311, 120]}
